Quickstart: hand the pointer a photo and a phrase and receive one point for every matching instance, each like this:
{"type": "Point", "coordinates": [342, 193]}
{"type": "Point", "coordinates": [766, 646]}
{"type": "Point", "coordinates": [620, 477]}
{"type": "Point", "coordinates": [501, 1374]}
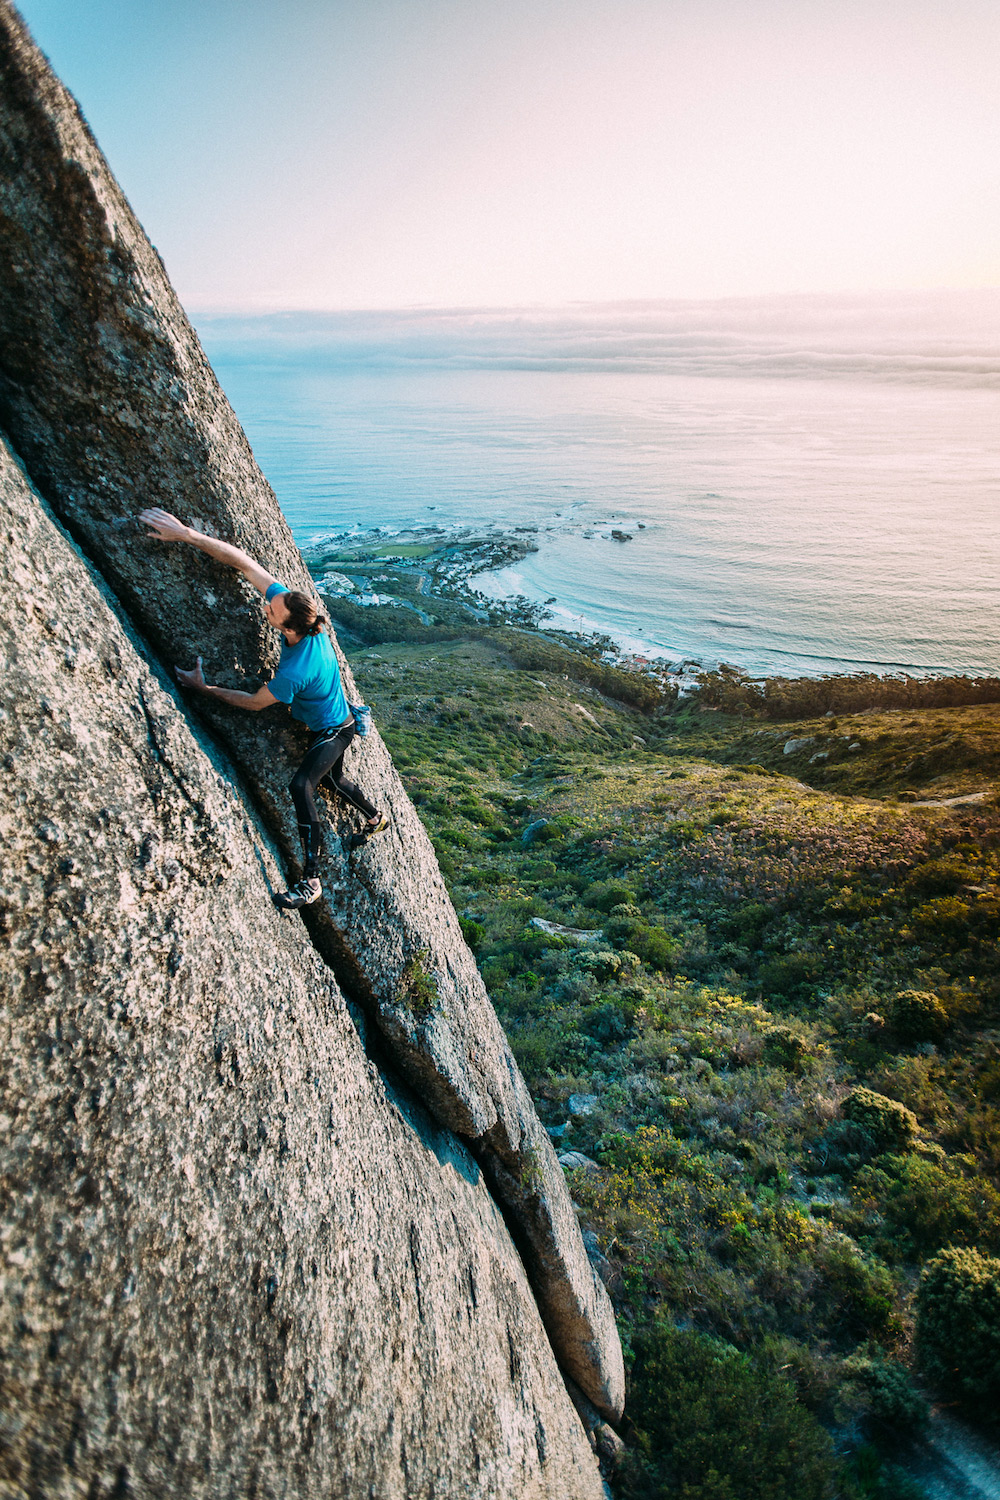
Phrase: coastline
{"type": "Point", "coordinates": [450, 572]}
{"type": "Point", "coordinates": [400, 569]}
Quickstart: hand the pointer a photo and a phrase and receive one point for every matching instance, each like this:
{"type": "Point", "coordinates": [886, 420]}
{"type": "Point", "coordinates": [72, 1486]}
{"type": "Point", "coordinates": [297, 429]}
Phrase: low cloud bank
{"type": "Point", "coordinates": [939, 338]}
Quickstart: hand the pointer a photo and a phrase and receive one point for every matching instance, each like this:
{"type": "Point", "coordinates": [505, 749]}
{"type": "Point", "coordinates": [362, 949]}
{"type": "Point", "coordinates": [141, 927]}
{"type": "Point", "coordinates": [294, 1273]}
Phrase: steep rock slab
{"type": "Point", "coordinates": [234, 1259]}
{"type": "Point", "coordinates": [113, 406]}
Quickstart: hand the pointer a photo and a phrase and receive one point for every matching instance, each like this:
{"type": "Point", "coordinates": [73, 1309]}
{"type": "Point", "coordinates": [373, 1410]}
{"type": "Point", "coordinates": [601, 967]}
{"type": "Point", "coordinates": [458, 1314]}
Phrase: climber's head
{"type": "Point", "coordinates": [294, 614]}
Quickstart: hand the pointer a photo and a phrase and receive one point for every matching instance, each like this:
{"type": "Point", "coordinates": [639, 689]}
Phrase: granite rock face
{"type": "Point", "coordinates": [110, 405]}
{"type": "Point", "coordinates": [109, 401]}
{"type": "Point", "coordinates": [237, 1258]}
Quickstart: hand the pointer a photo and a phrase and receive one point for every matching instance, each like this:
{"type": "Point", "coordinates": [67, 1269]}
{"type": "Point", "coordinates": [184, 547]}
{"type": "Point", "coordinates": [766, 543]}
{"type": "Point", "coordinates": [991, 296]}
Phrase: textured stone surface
{"type": "Point", "coordinates": [109, 401]}
{"type": "Point", "coordinates": [236, 1258]}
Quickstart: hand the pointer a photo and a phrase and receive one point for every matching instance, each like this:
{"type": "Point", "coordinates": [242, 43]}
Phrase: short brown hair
{"type": "Point", "coordinates": [304, 617]}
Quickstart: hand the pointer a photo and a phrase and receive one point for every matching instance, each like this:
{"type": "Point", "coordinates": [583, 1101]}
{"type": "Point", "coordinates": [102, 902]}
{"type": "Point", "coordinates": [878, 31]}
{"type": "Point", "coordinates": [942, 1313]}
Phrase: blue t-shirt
{"type": "Point", "coordinates": [308, 679]}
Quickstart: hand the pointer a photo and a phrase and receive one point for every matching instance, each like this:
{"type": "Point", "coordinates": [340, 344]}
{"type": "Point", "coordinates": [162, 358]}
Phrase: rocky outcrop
{"type": "Point", "coordinates": [237, 1258]}
{"type": "Point", "coordinates": [111, 406]}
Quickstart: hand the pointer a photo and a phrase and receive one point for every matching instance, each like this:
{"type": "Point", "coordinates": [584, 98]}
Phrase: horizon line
{"type": "Point", "coordinates": [208, 309]}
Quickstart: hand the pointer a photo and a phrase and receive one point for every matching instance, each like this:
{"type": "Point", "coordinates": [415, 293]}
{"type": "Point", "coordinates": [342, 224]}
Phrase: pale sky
{"type": "Point", "coordinates": [386, 153]}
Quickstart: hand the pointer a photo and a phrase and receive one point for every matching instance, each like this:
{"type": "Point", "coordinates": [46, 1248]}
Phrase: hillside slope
{"type": "Point", "coordinates": [762, 1020]}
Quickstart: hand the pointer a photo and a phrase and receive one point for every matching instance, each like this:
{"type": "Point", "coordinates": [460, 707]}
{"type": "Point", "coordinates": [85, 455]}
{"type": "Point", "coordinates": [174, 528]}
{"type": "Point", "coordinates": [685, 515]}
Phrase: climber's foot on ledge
{"type": "Point", "coordinates": [303, 894]}
{"type": "Point", "coordinates": [378, 824]}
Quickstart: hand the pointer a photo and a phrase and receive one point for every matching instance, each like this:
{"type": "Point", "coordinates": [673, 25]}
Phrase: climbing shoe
{"type": "Point", "coordinates": [303, 894]}
{"type": "Point", "coordinates": [368, 832]}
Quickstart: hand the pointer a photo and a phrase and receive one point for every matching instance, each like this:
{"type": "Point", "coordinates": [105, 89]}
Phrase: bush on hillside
{"type": "Point", "coordinates": [939, 877]}
{"type": "Point", "coordinates": [604, 894]}
{"type": "Point", "coordinates": [786, 1048]}
{"type": "Point", "coordinates": [918, 1016]}
{"type": "Point", "coordinates": [810, 697]}
{"type": "Point", "coordinates": [791, 977]}
{"type": "Point", "coordinates": [889, 1394]}
{"type": "Point", "coordinates": [535, 654]}
{"type": "Point", "coordinates": [888, 1122]}
{"type": "Point", "coordinates": [378, 624]}
{"type": "Point", "coordinates": [627, 930]}
{"type": "Point", "coordinates": [858, 1290]}
{"type": "Point", "coordinates": [958, 1326]}
{"type": "Point", "coordinates": [925, 1204]}
{"type": "Point", "coordinates": [717, 1427]}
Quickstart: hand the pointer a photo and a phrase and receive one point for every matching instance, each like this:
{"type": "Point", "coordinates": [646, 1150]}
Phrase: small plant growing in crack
{"type": "Point", "coordinates": [418, 990]}
{"type": "Point", "coordinates": [531, 1169]}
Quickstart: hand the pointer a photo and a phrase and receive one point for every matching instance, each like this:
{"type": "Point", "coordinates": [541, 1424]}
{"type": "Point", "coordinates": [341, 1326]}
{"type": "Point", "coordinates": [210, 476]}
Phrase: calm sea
{"type": "Point", "coordinates": [843, 513]}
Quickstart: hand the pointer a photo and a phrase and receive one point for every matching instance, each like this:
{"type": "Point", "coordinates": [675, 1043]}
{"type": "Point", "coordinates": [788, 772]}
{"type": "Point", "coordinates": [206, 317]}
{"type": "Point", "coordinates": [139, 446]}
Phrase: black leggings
{"type": "Point", "coordinates": [324, 763]}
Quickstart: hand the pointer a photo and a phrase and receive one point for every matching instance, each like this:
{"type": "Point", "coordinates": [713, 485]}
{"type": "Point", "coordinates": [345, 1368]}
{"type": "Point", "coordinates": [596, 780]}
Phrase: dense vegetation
{"type": "Point", "coordinates": [805, 697]}
{"type": "Point", "coordinates": [760, 1014]}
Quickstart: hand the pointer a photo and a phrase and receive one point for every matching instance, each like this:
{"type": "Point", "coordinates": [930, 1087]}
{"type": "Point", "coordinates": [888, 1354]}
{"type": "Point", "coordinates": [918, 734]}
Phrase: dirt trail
{"type": "Point", "coordinates": [952, 801]}
{"type": "Point", "coordinates": [954, 1462]}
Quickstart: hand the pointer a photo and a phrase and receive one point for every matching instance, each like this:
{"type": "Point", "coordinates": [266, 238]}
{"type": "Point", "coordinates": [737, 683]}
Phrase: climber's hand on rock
{"type": "Point", "coordinates": [195, 678]}
{"type": "Point", "coordinates": [163, 525]}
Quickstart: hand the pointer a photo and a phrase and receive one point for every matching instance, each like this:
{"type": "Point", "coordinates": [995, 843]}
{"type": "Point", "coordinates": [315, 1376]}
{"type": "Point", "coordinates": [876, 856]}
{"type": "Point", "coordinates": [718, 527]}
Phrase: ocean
{"type": "Point", "coordinates": [806, 485]}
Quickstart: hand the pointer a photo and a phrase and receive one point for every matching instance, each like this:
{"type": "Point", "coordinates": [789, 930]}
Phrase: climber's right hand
{"type": "Point", "coordinates": [163, 525]}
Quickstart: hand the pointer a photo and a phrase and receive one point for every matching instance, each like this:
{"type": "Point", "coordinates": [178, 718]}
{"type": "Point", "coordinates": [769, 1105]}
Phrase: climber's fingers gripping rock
{"type": "Point", "coordinates": [163, 525]}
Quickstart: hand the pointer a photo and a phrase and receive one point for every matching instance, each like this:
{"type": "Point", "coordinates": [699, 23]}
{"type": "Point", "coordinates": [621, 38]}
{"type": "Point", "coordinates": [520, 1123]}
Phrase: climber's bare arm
{"type": "Point", "coordinates": [167, 527]}
{"type": "Point", "coordinates": [195, 678]}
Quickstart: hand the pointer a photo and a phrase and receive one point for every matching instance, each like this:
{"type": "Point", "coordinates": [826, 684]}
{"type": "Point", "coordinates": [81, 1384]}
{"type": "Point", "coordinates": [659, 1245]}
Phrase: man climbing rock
{"type": "Point", "coordinates": [307, 680]}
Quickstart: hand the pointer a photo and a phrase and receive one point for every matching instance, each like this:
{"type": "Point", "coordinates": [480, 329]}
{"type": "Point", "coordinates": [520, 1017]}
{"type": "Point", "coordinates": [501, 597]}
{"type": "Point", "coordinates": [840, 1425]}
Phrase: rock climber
{"type": "Point", "coordinates": [307, 680]}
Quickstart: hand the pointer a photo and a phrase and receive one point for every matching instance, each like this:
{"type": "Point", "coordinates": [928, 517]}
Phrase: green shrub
{"type": "Point", "coordinates": [681, 832]}
{"type": "Point", "coordinates": [860, 1289]}
{"type": "Point", "coordinates": [534, 1048]}
{"type": "Point", "coordinates": [918, 1016]}
{"type": "Point", "coordinates": [539, 1046]}
{"type": "Point", "coordinates": [604, 964]}
{"type": "Point", "coordinates": [786, 1048]}
{"type": "Point", "coordinates": [791, 977]}
{"type": "Point", "coordinates": [477, 812]}
{"type": "Point", "coordinates": [939, 877]}
{"type": "Point", "coordinates": [605, 894]}
{"type": "Point", "coordinates": [845, 1146]}
{"type": "Point", "coordinates": [944, 917]}
{"type": "Point", "coordinates": [927, 1204]}
{"type": "Point", "coordinates": [627, 929]}
{"type": "Point", "coordinates": [622, 921]}
{"type": "Point", "coordinates": [417, 987]}
{"type": "Point", "coordinates": [497, 968]}
{"type": "Point", "coordinates": [473, 932]}
{"type": "Point", "coordinates": [747, 923]}
{"type": "Point", "coordinates": [888, 1122]}
{"type": "Point", "coordinates": [958, 1326]}
{"type": "Point", "coordinates": [889, 1393]}
{"type": "Point", "coordinates": [606, 1023]}
{"type": "Point", "coordinates": [868, 1475]}
{"type": "Point", "coordinates": [717, 1427]}
{"type": "Point", "coordinates": [655, 947]}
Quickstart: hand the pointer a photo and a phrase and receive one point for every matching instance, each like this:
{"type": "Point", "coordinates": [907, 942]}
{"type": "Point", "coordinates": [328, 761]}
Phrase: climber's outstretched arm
{"type": "Point", "coordinates": [167, 527]}
{"type": "Point", "coordinates": [195, 678]}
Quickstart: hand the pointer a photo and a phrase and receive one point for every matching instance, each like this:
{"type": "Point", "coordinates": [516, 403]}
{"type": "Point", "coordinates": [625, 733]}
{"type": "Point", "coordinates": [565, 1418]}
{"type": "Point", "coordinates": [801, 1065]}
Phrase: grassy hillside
{"type": "Point", "coordinates": [755, 991]}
